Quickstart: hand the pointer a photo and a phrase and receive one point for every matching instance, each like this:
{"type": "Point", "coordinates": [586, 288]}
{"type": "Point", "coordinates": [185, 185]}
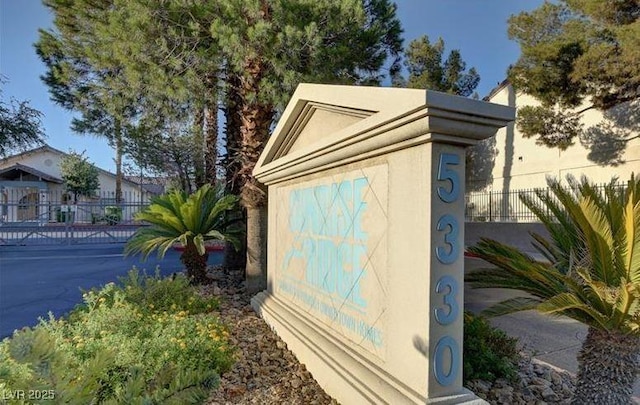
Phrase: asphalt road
{"type": "Point", "coordinates": [37, 279]}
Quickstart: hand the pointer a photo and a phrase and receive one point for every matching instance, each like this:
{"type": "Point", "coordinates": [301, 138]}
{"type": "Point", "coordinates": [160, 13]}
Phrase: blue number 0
{"type": "Point", "coordinates": [446, 173]}
{"type": "Point", "coordinates": [444, 378]}
{"type": "Point", "coordinates": [450, 238]}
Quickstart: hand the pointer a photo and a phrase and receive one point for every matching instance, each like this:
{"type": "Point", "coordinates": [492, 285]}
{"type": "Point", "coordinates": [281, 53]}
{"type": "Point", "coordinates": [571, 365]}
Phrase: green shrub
{"type": "Point", "coordinates": [489, 353]}
{"type": "Point", "coordinates": [119, 347]}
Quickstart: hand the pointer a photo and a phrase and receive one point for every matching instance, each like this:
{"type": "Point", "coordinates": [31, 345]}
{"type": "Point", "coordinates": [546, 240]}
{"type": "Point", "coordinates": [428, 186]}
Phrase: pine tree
{"type": "Point", "coordinates": [428, 70]}
{"type": "Point", "coordinates": [82, 76]}
{"type": "Point", "coordinates": [19, 126]}
{"type": "Point", "coordinates": [270, 47]}
{"type": "Point", "coordinates": [574, 52]}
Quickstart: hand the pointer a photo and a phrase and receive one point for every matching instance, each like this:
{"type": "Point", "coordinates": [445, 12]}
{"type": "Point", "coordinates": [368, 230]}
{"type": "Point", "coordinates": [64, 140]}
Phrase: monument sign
{"type": "Point", "coordinates": [366, 238]}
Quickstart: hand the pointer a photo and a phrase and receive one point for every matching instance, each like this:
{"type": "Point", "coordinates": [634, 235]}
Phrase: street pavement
{"type": "Point", "coordinates": [552, 340]}
{"type": "Point", "coordinates": [37, 279]}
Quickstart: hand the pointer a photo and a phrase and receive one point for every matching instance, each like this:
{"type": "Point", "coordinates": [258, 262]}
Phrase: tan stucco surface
{"type": "Point", "coordinates": [520, 163]}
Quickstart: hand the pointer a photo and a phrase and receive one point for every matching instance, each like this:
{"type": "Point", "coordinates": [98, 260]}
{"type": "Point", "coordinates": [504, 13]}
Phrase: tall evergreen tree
{"type": "Point", "coordinates": [173, 64]}
{"type": "Point", "coordinates": [19, 125]}
{"type": "Point", "coordinates": [428, 70]}
{"type": "Point", "coordinates": [82, 75]}
{"type": "Point", "coordinates": [574, 52]}
{"type": "Point", "coordinates": [272, 46]}
{"type": "Point", "coordinates": [171, 52]}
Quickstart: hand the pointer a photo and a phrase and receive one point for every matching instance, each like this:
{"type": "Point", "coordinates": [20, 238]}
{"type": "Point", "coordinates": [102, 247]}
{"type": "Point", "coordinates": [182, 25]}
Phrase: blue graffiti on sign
{"type": "Point", "coordinates": [326, 221]}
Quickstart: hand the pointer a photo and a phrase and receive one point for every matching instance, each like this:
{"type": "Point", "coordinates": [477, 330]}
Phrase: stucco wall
{"type": "Point", "coordinates": [511, 162]}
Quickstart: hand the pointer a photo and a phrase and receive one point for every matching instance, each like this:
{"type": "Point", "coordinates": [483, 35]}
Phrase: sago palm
{"type": "Point", "coordinates": [188, 220]}
{"type": "Point", "coordinates": [592, 275]}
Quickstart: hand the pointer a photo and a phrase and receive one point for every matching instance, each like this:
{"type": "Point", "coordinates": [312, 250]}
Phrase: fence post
{"type": "Point", "coordinates": [490, 207]}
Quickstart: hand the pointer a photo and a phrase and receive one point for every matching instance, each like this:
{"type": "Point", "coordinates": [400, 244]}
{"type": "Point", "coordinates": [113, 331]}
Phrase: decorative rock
{"type": "Point", "coordinates": [549, 396]}
{"type": "Point", "coordinates": [266, 372]}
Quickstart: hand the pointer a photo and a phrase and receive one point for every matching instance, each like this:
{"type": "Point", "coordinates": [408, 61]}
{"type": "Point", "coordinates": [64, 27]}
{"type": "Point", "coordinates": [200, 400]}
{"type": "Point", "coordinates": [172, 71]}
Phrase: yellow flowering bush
{"type": "Point", "coordinates": [148, 340]}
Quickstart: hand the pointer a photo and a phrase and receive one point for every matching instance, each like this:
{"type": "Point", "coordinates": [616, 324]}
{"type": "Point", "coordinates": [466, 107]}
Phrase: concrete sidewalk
{"type": "Point", "coordinates": [553, 340]}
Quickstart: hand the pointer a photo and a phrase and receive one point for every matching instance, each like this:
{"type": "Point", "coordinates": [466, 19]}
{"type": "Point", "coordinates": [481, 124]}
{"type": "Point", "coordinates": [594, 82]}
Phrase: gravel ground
{"type": "Point", "coordinates": [266, 372]}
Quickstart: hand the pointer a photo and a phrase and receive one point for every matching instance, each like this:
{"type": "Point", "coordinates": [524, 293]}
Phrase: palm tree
{"type": "Point", "coordinates": [188, 220]}
{"type": "Point", "coordinates": [592, 276]}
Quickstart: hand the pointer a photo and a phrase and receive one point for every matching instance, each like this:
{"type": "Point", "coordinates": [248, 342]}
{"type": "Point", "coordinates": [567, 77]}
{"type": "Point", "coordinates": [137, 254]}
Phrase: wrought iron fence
{"type": "Point", "coordinates": [505, 206]}
{"type": "Point", "coordinates": [29, 216]}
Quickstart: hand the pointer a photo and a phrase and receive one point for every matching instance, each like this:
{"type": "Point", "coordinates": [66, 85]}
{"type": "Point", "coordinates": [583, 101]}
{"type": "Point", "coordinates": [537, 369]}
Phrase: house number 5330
{"type": "Point", "coordinates": [447, 252]}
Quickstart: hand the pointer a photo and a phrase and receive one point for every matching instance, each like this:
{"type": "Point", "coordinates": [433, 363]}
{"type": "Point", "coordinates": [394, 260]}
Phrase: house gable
{"type": "Point", "coordinates": [26, 173]}
{"type": "Point", "coordinates": [46, 161]}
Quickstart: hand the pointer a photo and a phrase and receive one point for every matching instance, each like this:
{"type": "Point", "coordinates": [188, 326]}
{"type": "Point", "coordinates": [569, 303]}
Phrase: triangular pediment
{"type": "Point", "coordinates": [319, 114]}
{"type": "Point", "coordinates": [316, 121]}
{"type": "Point", "coordinates": [327, 125]}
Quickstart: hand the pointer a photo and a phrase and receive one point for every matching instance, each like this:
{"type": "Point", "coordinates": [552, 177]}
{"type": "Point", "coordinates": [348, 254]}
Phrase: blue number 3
{"type": "Point", "coordinates": [450, 238]}
{"type": "Point", "coordinates": [443, 316]}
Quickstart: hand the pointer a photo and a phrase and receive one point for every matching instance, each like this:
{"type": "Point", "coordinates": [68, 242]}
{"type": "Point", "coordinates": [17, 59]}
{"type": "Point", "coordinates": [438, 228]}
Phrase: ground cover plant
{"type": "Point", "coordinates": [592, 275]}
{"type": "Point", "coordinates": [149, 340]}
{"type": "Point", "coordinates": [489, 353]}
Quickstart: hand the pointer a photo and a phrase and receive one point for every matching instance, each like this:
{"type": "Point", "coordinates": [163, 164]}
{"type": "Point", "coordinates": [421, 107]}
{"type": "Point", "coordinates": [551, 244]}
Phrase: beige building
{"type": "Point", "coordinates": [511, 162]}
{"type": "Point", "coordinates": [32, 190]}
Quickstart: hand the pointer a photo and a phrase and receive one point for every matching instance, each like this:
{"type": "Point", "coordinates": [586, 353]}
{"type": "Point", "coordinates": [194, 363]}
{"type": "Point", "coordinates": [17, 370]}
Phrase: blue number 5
{"type": "Point", "coordinates": [446, 173]}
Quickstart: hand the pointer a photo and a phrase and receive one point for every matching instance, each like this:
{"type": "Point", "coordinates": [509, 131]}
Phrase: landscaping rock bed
{"type": "Point", "coordinates": [266, 372]}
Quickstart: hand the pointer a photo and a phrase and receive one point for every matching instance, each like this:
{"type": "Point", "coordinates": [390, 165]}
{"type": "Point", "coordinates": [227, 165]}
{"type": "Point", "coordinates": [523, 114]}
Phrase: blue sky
{"type": "Point", "coordinates": [478, 28]}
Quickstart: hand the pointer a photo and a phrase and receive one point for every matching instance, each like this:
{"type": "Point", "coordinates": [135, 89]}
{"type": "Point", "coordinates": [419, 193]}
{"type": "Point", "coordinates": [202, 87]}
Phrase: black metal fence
{"type": "Point", "coordinates": [29, 216]}
{"type": "Point", "coordinates": [504, 206]}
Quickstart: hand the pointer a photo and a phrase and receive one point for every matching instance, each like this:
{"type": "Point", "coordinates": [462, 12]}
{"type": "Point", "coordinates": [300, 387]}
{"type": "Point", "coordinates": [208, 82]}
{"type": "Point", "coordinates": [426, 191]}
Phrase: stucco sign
{"type": "Point", "coordinates": [332, 252]}
{"type": "Point", "coordinates": [366, 235]}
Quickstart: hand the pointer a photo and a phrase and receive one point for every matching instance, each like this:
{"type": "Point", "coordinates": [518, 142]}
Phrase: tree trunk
{"type": "Point", "coordinates": [233, 123]}
{"type": "Point", "coordinates": [256, 120]}
{"type": "Point", "coordinates": [195, 264]}
{"type": "Point", "coordinates": [233, 259]}
{"type": "Point", "coordinates": [608, 365]}
{"type": "Point", "coordinates": [211, 128]}
{"type": "Point", "coordinates": [198, 142]}
{"type": "Point", "coordinates": [256, 270]}
{"type": "Point", "coordinates": [118, 160]}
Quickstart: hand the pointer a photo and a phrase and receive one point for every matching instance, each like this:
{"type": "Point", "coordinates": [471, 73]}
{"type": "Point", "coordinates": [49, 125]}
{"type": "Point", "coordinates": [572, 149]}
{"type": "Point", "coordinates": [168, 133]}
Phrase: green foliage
{"type": "Point", "coordinates": [572, 51]}
{"type": "Point", "coordinates": [118, 348]}
{"type": "Point", "coordinates": [158, 295]}
{"type": "Point", "coordinates": [489, 353]}
{"type": "Point", "coordinates": [80, 176]}
{"type": "Point", "coordinates": [19, 126]}
{"type": "Point", "coordinates": [593, 274]}
{"type": "Point", "coordinates": [83, 76]}
{"type": "Point", "coordinates": [178, 218]}
{"type": "Point", "coordinates": [188, 220]}
{"type": "Point", "coordinates": [428, 70]}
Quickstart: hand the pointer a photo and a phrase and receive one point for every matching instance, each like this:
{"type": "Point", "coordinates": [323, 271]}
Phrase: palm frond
{"type": "Point", "coordinates": [178, 218]}
{"type": "Point", "coordinates": [566, 303]}
{"type": "Point", "coordinates": [594, 250]}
